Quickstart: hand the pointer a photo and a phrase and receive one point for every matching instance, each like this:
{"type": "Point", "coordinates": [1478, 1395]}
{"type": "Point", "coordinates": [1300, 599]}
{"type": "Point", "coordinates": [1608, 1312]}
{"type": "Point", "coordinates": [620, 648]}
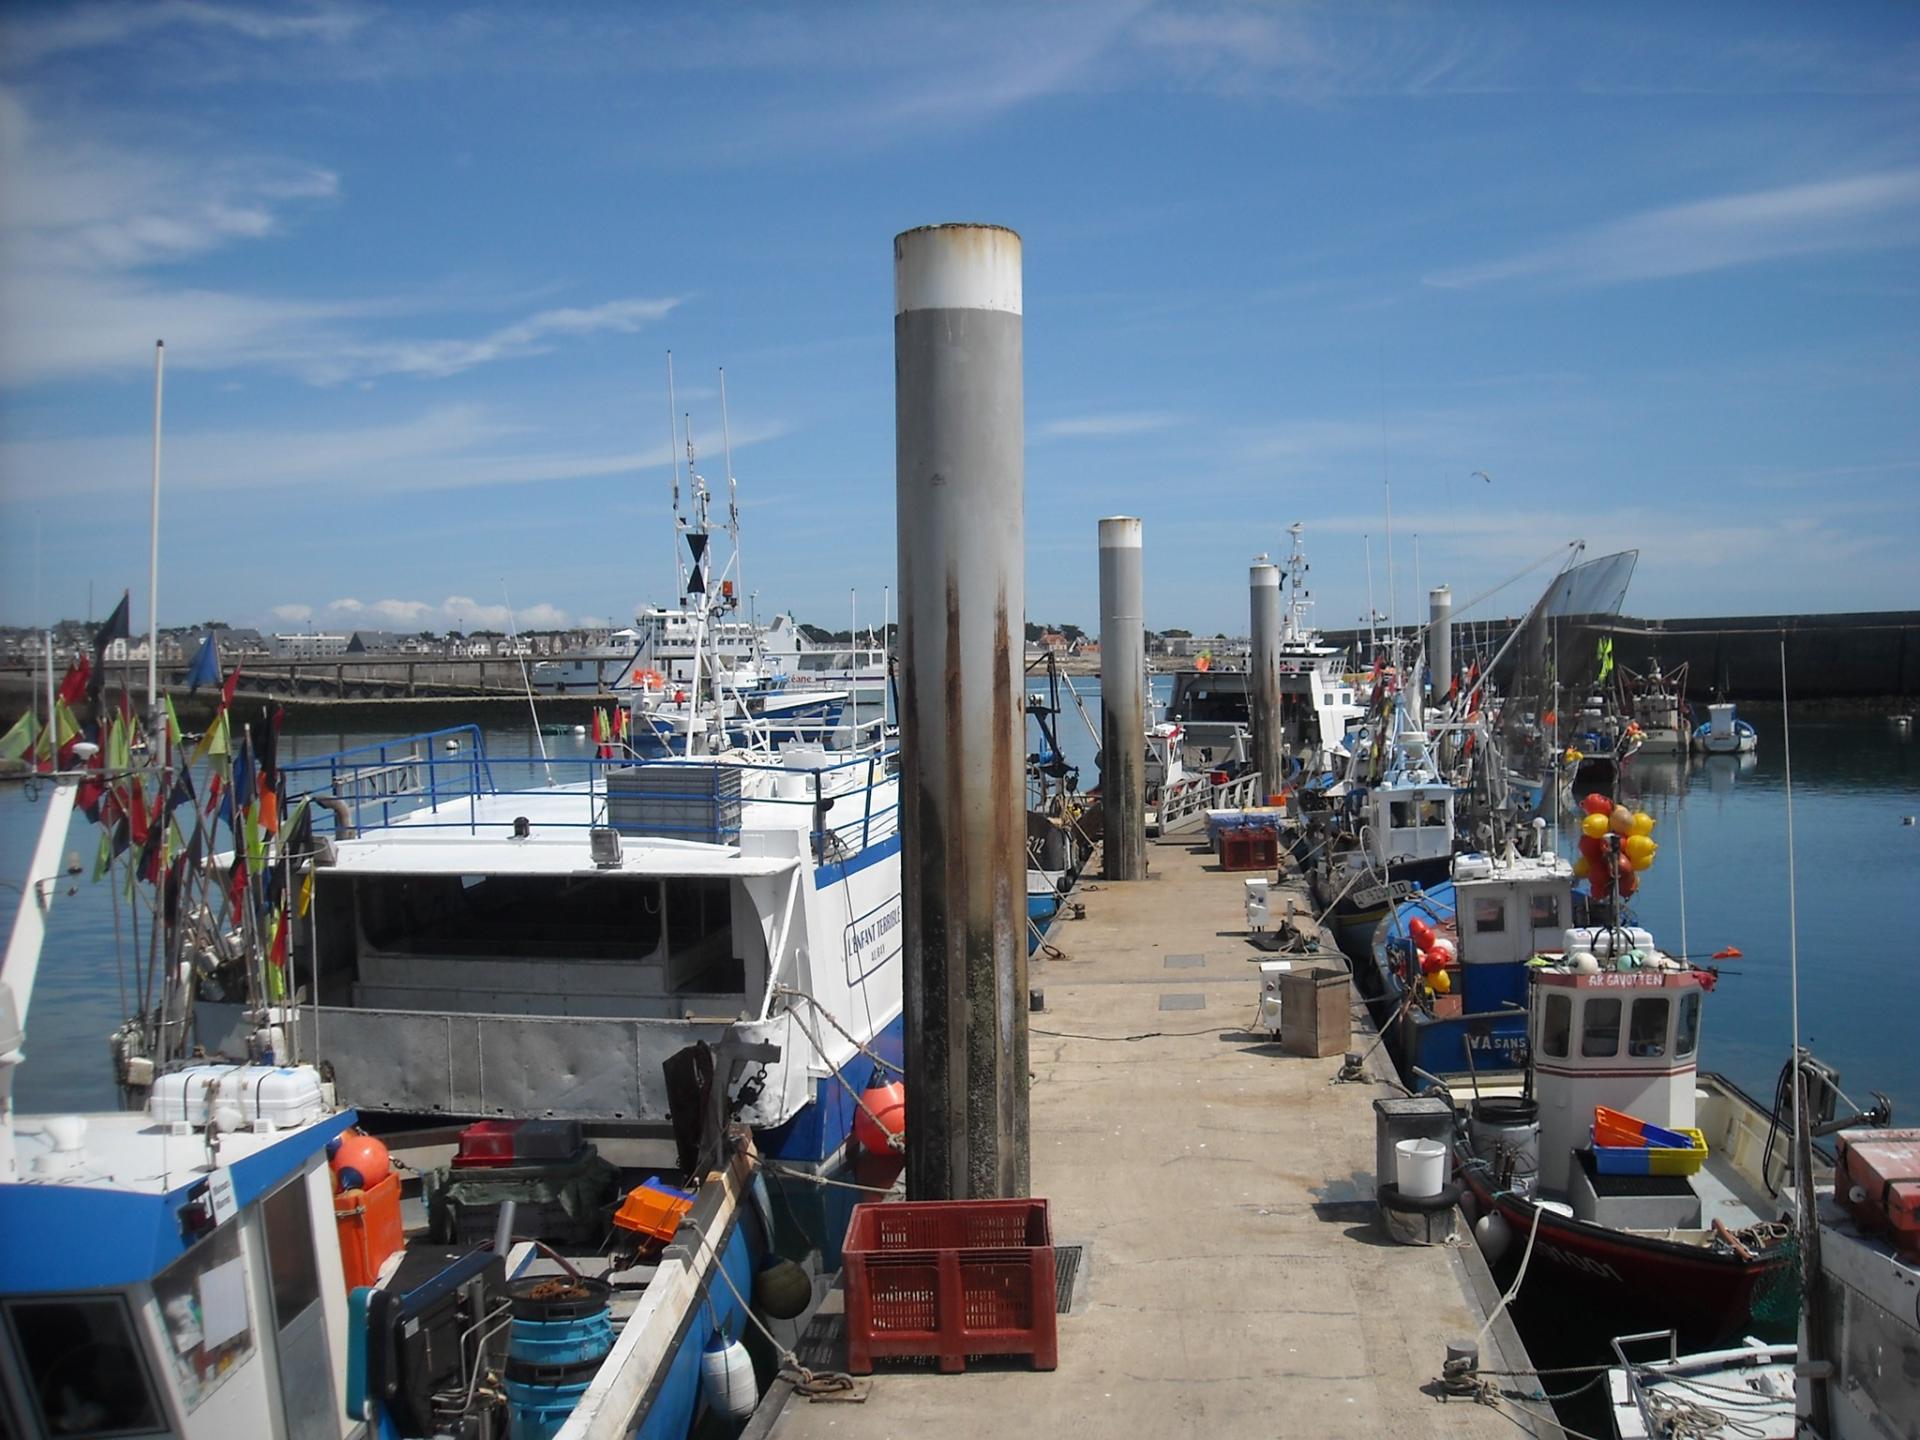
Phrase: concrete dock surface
{"type": "Point", "coordinates": [1235, 1279]}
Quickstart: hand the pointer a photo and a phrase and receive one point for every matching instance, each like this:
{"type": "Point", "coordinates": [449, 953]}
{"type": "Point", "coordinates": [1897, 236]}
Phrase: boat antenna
{"type": "Point", "coordinates": [673, 462]}
{"type": "Point", "coordinates": [526, 679]}
{"type": "Point", "coordinates": [1372, 645]}
{"type": "Point", "coordinates": [733, 493]}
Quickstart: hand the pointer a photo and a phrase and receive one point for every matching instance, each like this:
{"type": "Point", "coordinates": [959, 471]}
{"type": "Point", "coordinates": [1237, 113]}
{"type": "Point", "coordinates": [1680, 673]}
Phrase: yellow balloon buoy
{"type": "Point", "coordinates": [1642, 823]}
{"type": "Point", "coordinates": [1594, 826]}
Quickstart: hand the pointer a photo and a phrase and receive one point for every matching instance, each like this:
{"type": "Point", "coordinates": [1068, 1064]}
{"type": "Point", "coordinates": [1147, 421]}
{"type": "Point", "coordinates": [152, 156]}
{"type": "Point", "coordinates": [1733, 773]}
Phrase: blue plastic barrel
{"type": "Point", "coordinates": [556, 1343]}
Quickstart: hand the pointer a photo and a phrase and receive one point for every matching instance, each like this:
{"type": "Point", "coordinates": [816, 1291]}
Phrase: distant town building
{"type": "Point", "coordinates": [307, 645]}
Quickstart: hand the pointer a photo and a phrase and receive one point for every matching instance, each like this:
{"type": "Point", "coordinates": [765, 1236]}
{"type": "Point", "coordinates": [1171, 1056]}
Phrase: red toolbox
{"type": "Point", "coordinates": [1876, 1175]}
{"type": "Point", "coordinates": [949, 1279]}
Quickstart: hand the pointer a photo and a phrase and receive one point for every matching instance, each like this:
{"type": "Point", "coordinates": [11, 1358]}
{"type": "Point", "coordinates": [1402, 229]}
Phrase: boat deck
{"type": "Point", "coordinates": [1234, 1278]}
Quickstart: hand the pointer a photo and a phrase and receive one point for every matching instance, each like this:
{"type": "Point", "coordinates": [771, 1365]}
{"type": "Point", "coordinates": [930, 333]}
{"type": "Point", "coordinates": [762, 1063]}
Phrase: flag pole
{"type": "Point", "coordinates": [153, 556]}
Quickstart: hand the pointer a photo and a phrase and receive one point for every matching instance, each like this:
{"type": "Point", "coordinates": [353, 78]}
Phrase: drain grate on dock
{"type": "Point", "coordinates": [1066, 1265]}
{"type": "Point", "coordinates": [1193, 1001]}
{"type": "Point", "coordinates": [1184, 962]}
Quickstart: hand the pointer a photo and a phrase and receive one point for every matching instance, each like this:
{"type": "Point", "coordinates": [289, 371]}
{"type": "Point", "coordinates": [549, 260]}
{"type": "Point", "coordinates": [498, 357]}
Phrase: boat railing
{"type": "Point", "coordinates": [444, 774]}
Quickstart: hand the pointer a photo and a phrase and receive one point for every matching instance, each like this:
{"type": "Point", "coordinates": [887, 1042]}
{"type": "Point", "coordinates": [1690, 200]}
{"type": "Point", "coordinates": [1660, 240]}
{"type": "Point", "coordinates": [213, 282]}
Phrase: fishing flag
{"type": "Point", "coordinates": [217, 740]}
{"type": "Point", "coordinates": [73, 686]}
{"type": "Point", "coordinates": [1604, 653]}
{"type": "Point", "coordinates": [21, 738]}
{"type": "Point", "coordinates": [115, 628]}
{"type": "Point", "coordinates": [205, 669]}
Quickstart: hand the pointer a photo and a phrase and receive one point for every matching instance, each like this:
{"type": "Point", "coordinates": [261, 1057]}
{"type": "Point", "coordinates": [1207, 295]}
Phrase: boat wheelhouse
{"type": "Point", "coordinates": [1498, 912]}
{"type": "Point", "coordinates": [535, 939]}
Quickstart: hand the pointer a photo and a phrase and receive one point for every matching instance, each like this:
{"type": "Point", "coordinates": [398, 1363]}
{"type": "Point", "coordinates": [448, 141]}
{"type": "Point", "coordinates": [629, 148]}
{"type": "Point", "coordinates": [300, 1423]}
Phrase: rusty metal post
{"type": "Point", "coordinates": [1440, 641]}
{"type": "Point", "coordinates": [1263, 676]}
{"type": "Point", "coordinates": [960, 485]}
{"type": "Point", "coordinates": [1123, 695]}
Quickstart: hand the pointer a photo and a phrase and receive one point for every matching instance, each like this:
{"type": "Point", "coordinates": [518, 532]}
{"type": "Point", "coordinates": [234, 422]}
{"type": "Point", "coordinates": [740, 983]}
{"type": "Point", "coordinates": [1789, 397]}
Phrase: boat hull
{"type": "Point", "coordinates": [818, 1135]}
{"type": "Point", "coordinates": [1619, 1281]}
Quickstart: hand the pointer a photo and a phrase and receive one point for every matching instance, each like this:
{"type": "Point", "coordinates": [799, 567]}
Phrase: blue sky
{"type": "Point", "coordinates": [1654, 269]}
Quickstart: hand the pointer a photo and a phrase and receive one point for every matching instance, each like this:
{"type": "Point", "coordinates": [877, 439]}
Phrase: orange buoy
{"type": "Point", "coordinates": [882, 1117]}
{"type": "Point", "coordinates": [362, 1154]}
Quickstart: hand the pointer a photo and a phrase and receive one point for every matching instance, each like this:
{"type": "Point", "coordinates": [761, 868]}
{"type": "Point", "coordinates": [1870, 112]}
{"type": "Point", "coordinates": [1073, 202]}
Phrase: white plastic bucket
{"type": "Point", "coordinates": [1419, 1168]}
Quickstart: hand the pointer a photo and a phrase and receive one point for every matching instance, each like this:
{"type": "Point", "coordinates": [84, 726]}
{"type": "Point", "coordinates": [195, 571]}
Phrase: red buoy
{"type": "Point", "coordinates": [883, 1115]}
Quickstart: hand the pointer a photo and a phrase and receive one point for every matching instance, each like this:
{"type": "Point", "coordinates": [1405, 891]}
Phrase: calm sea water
{"type": "Point", "coordinates": [1854, 782]}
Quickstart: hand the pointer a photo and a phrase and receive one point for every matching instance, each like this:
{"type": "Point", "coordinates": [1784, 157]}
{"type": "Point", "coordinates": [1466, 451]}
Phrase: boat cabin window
{"type": "Point", "coordinates": [511, 916]}
{"type": "Point", "coordinates": [1489, 915]}
{"type": "Point", "coordinates": [82, 1366]}
{"type": "Point", "coordinates": [290, 1262]}
{"type": "Point", "coordinates": [1647, 1027]}
{"type": "Point", "coordinates": [1687, 1034]}
{"type": "Point", "coordinates": [1600, 1027]}
{"type": "Point", "coordinates": [203, 1300]}
{"type": "Point", "coordinates": [1558, 1027]}
{"type": "Point", "coordinates": [1543, 911]}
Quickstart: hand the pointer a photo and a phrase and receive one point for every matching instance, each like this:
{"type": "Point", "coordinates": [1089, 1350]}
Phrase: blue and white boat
{"type": "Point", "coordinates": [1497, 912]}
{"type": "Point", "coordinates": [1724, 733]}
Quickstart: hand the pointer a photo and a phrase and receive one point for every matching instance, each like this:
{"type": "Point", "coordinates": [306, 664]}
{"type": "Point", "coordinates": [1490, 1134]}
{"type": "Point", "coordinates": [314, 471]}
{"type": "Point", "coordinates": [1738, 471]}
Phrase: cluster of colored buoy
{"type": "Point", "coordinates": [1616, 846]}
{"type": "Point", "coordinates": [1435, 952]}
{"type": "Point", "coordinates": [880, 1123]}
{"type": "Point", "coordinates": [359, 1161]}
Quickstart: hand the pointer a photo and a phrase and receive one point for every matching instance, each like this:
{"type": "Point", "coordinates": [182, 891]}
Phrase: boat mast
{"type": "Point", "coordinates": [153, 554]}
{"type": "Point", "coordinates": [673, 460]}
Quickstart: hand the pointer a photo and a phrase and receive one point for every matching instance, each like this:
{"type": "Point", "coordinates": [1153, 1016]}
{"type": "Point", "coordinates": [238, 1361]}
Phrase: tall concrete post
{"type": "Point", "coordinates": [960, 486]}
{"type": "Point", "coordinates": [1123, 699]}
{"type": "Point", "coordinates": [1263, 674]}
{"type": "Point", "coordinates": [1440, 641]}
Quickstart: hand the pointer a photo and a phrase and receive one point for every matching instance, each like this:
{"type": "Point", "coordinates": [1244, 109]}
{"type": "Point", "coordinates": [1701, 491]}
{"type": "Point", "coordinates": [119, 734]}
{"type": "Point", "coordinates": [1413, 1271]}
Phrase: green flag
{"type": "Point", "coordinates": [17, 741]}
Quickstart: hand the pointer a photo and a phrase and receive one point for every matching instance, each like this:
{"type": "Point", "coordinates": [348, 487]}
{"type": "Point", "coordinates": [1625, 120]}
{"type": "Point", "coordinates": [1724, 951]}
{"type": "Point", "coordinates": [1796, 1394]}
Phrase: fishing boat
{"type": "Point", "coordinates": [1449, 971]}
{"type": "Point", "coordinates": [1745, 1389]}
{"type": "Point", "coordinates": [1656, 702]}
{"type": "Point", "coordinates": [1724, 733]}
{"type": "Point", "coordinates": [1630, 1236]}
{"type": "Point", "coordinates": [1318, 702]}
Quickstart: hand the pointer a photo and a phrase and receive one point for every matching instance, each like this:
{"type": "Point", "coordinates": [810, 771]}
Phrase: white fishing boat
{"type": "Point", "coordinates": [1724, 733]}
{"type": "Point", "coordinates": [1743, 1390]}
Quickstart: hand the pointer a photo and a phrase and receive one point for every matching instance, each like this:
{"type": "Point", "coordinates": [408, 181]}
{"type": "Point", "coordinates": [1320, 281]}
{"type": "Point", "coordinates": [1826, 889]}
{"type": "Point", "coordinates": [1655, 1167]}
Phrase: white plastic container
{"type": "Point", "coordinates": [1578, 938]}
{"type": "Point", "coordinates": [183, 1097]}
{"type": "Point", "coordinates": [1419, 1168]}
{"type": "Point", "coordinates": [276, 1097]}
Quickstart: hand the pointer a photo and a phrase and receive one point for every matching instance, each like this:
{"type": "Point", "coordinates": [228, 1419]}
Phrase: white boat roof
{"type": "Point", "coordinates": [474, 834]}
{"type": "Point", "coordinates": [127, 1151]}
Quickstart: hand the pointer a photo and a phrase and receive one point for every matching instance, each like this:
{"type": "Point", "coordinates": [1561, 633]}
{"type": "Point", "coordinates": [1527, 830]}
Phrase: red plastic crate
{"type": "Point", "coordinates": [487, 1143]}
{"type": "Point", "coordinates": [1249, 848]}
{"type": "Point", "coordinates": [949, 1279]}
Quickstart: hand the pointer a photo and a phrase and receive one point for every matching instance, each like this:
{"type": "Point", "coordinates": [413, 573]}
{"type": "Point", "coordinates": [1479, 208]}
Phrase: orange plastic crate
{"type": "Point", "coordinates": [370, 1229]}
{"type": "Point", "coordinates": [950, 1278]}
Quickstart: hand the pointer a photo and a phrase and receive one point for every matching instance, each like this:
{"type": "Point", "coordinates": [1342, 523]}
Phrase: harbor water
{"type": "Point", "coordinates": [1722, 820]}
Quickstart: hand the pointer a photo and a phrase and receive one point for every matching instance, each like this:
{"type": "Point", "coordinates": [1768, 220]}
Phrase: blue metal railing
{"type": "Point", "coordinates": [384, 782]}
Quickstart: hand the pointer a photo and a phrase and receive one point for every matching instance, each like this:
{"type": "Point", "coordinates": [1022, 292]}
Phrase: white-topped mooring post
{"type": "Point", "coordinates": [1263, 674]}
{"type": "Point", "coordinates": [1123, 699]}
{"type": "Point", "coordinates": [960, 490]}
{"type": "Point", "coordinates": [1440, 641]}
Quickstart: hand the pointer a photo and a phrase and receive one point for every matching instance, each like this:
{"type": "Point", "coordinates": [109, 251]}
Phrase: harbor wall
{"type": "Point", "coordinates": [1854, 656]}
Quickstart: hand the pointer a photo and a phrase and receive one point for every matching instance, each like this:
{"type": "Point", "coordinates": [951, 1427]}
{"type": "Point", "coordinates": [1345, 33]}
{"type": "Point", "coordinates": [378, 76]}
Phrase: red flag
{"type": "Point", "coordinates": [74, 687]}
{"type": "Point", "coordinates": [278, 953]}
{"type": "Point", "coordinates": [237, 886]}
{"type": "Point", "coordinates": [232, 684]}
{"type": "Point", "coordinates": [214, 786]}
{"type": "Point", "coordinates": [136, 802]}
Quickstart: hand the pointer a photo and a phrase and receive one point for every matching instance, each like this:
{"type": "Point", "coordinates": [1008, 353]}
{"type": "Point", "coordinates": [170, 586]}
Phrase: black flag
{"type": "Point", "coordinates": [116, 628]}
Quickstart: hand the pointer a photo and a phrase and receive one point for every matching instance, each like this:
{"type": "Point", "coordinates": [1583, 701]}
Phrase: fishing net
{"type": "Point", "coordinates": [1776, 1300]}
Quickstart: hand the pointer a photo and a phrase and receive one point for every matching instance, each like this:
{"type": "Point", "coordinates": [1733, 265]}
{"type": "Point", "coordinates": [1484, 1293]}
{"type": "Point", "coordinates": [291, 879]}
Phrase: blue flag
{"type": "Point", "coordinates": [205, 669]}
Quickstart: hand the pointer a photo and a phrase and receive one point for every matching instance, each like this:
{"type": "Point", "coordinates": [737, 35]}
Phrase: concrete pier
{"type": "Point", "coordinates": [1123, 692]}
{"type": "Point", "coordinates": [960, 492]}
{"type": "Point", "coordinates": [1263, 677]}
{"type": "Point", "coordinates": [1235, 1280]}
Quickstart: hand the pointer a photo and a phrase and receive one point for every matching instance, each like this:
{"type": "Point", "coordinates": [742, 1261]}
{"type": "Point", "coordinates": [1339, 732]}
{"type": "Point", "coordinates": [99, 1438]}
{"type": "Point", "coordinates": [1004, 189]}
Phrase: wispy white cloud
{"type": "Point", "coordinates": [35, 38]}
{"type": "Point", "coordinates": [90, 228]}
{"type": "Point", "coordinates": [1852, 213]}
{"type": "Point", "coordinates": [447, 447]}
{"type": "Point", "coordinates": [537, 334]}
{"type": "Point", "coordinates": [454, 612]}
{"type": "Point", "coordinates": [1107, 427]}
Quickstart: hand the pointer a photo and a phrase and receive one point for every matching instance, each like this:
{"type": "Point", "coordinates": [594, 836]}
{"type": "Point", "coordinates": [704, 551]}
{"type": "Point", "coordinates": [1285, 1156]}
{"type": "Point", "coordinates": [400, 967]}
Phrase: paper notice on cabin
{"type": "Point", "coordinates": [223, 1303]}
